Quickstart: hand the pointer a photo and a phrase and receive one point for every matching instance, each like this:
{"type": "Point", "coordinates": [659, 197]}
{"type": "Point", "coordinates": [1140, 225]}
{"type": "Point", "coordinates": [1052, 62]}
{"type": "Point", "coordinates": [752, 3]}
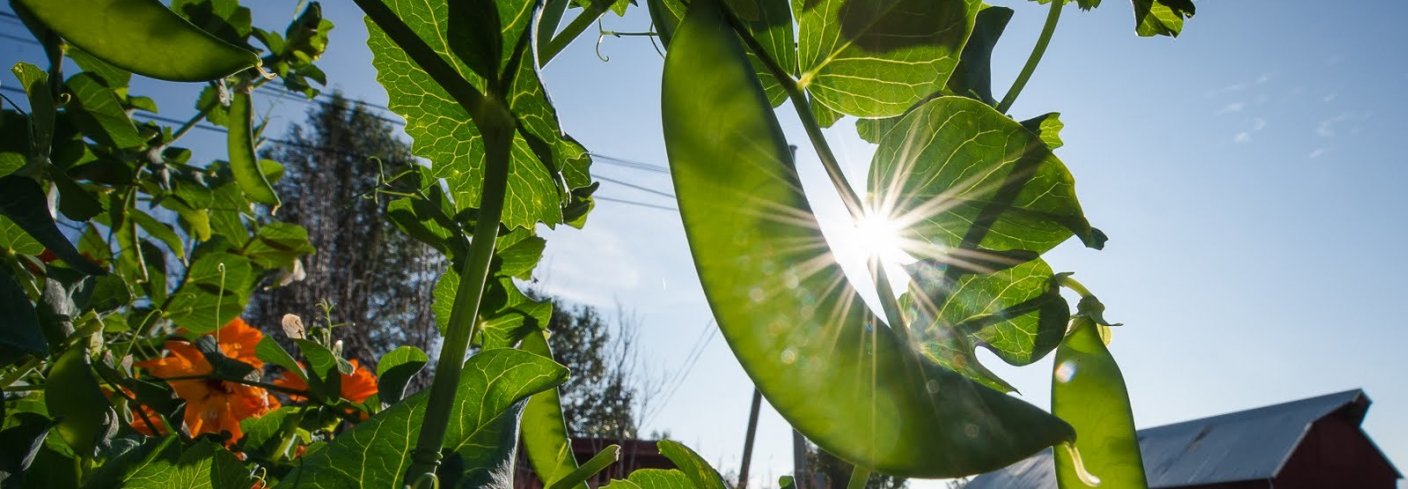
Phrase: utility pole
{"type": "Point", "coordinates": [748, 439]}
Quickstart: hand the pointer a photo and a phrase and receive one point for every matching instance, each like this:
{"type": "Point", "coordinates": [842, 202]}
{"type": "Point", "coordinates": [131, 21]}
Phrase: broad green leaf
{"type": "Point", "coordinates": [159, 230]}
{"type": "Point", "coordinates": [1017, 313]}
{"type": "Point", "coordinates": [24, 203]}
{"type": "Point", "coordinates": [100, 114]}
{"type": "Point", "coordinates": [16, 241]}
{"type": "Point", "coordinates": [142, 37]}
{"type": "Point", "coordinates": [877, 58]}
{"type": "Point", "coordinates": [691, 464]}
{"type": "Point", "coordinates": [35, 82]}
{"type": "Point", "coordinates": [215, 290]}
{"type": "Point", "coordinates": [545, 439]}
{"type": "Point", "coordinates": [269, 351]}
{"type": "Point", "coordinates": [395, 370]}
{"type": "Point", "coordinates": [324, 370]}
{"type": "Point", "coordinates": [376, 453]}
{"type": "Point", "coordinates": [15, 144]}
{"type": "Point", "coordinates": [22, 334]}
{"type": "Point", "coordinates": [112, 76]}
{"type": "Point", "coordinates": [973, 78]}
{"type": "Point", "coordinates": [22, 440]}
{"type": "Point", "coordinates": [544, 165]}
{"type": "Point", "coordinates": [278, 244]}
{"type": "Point", "coordinates": [75, 202]}
{"type": "Point", "coordinates": [654, 479]}
{"type": "Point", "coordinates": [1088, 391]}
{"type": "Point", "coordinates": [263, 434]}
{"type": "Point", "coordinates": [225, 19]}
{"type": "Point", "coordinates": [961, 176]}
{"type": "Point", "coordinates": [203, 465]}
{"type": "Point", "coordinates": [798, 328]}
{"type": "Point", "coordinates": [486, 458]}
{"type": "Point", "coordinates": [73, 398]}
{"type": "Point", "coordinates": [1047, 127]}
{"type": "Point", "coordinates": [519, 258]}
{"type": "Point", "coordinates": [1161, 17]}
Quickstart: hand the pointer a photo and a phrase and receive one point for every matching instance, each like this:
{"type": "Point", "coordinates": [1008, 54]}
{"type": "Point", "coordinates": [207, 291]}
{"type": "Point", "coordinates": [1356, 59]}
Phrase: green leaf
{"type": "Point", "coordinates": [159, 230]}
{"type": "Point", "coordinates": [324, 370]}
{"type": "Point", "coordinates": [225, 19]}
{"type": "Point", "coordinates": [1088, 391]}
{"type": "Point", "coordinates": [877, 58]}
{"type": "Point", "coordinates": [486, 458]}
{"type": "Point", "coordinates": [24, 203]}
{"type": "Point", "coordinates": [108, 292]}
{"type": "Point", "coordinates": [277, 245]}
{"type": "Point", "coordinates": [518, 258]}
{"type": "Point", "coordinates": [654, 479]}
{"type": "Point", "coordinates": [215, 290]}
{"type": "Point", "coordinates": [545, 439]}
{"type": "Point", "coordinates": [544, 165]}
{"type": "Point", "coordinates": [22, 334]}
{"type": "Point", "coordinates": [263, 434]}
{"type": "Point", "coordinates": [99, 113]}
{"type": "Point", "coordinates": [15, 241]}
{"type": "Point", "coordinates": [22, 441]}
{"type": "Point", "coordinates": [798, 328]}
{"type": "Point", "coordinates": [73, 398]}
{"type": "Point", "coordinates": [75, 202]}
{"type": "Point", "coordinates": [1017, 313]}
{"type": "Point", "coordinates": [203, 465]}
{"type": "Point", "coordinates": [272, 353]}
{"type": "Point", "coordinates": [395, 370]}
{"type": "Point", "coordinates": [112, 76]}
{"type": "Point", "coordinates": [15, 144]}
{"type": "Point", "coordinates": [1047, 127]}
{"type": "Point", "coordinates": [768, 21]}
{"type": "Point", "coordinates": [973, 78]}
{"type": "Point", "coordinates": [599, 462]}
{"type": "Point", "coordinates": [41, 103]}
{"type": "Point", "coordinates": [960, 175]}
{"type": "Point", "coordinates": [1161, 17]}
{"type": "Point", "coordinates": [691, 464]}
{"type": "Point", "coordinates": [376, 453]}
{"type": "Point", "coordinates": [142, 37]}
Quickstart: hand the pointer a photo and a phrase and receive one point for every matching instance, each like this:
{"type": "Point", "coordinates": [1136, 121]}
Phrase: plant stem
{"type": "Point", "coordinates": [859, 477]}
{"type": "Point", "coordinates": [1077, 287]}
{"type": "Point", "coordinates": [497, 129]}
{"type": "Point", "coordinates": [888, 301]}
{"type": "Point", "coordinates": [1052, 17]}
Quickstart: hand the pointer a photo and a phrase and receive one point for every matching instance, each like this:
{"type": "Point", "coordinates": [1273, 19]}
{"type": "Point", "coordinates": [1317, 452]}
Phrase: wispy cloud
{"type": "Point", "coordinates": [1258, 124]}
{"type": "Point", "coordinates": [1262, 79]}
{"type": "Point", "coordinates": [1242, 137]}
{"type": "Point", "coordinates": [1330, 97]}
{"type": "Point", "coordinates": [1318, 152]}
{"type": "Point", "coordinates": [1232, 108]}
{"type": "Point", "coordinates": [1328, 127]}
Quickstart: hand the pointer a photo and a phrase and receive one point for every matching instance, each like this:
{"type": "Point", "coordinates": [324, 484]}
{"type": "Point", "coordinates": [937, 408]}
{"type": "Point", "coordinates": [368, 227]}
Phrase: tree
{"type": "Point", "coordinates": [603, 397]}
{"type": "Point", "coordinates": [373, 280]}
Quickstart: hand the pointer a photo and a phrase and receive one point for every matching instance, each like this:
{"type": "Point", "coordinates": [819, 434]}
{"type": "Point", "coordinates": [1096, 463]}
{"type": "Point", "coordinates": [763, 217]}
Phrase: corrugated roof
{"type": "Point", "coordinates": [1245, 445]}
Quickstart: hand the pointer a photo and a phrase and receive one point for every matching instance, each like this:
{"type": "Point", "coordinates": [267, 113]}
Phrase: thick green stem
{"type": "Point", "coordinates": [1052, 17]}
{"type": "Point", "coordinates": [859, 477]}
{"type": "Point", "coordinates": [888, 301]}
{"type": "Point", "coordinates": [497, 129]}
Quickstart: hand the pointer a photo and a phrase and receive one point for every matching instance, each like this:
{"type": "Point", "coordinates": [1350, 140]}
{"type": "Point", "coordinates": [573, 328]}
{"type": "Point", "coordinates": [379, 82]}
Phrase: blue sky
{"type": "Point", "coordinates": [1248, 174]}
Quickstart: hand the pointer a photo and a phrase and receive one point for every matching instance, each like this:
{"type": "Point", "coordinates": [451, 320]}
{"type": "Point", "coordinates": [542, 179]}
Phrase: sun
{"type": "Point", "coordinates": [879, 237]}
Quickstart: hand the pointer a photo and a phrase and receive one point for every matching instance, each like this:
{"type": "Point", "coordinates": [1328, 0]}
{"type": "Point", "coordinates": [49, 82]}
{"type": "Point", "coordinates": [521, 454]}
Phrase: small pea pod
{"type": "Point", "coordinates": [798, 328]}
{"type": "Point", "coordinates": [243, 162]}
{"type": "Point", "coordinates": [142, 36]}
{"type": "Point", "coordinates": [545, 430]}
{"type": "Point", "coordinates": [1088, 391]}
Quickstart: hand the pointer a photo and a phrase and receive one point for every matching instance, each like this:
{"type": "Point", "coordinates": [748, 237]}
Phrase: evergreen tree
{"type": "Point", "coordinates": [602, 397]}
{"type": "Point", "coordinates": [373, 279]}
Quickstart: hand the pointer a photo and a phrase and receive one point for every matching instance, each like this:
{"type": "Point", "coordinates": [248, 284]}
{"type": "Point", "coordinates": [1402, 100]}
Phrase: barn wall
{"type": "Point", "coordinates": [1336, 453]}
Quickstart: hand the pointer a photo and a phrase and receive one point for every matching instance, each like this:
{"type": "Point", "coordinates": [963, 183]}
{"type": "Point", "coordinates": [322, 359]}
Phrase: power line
{"type": "Point", "coordinates": [622, 162]}
{"type": "Point", "coordinates": [635, 186]}
{"type": "Point", "coordinates": [634, 203]}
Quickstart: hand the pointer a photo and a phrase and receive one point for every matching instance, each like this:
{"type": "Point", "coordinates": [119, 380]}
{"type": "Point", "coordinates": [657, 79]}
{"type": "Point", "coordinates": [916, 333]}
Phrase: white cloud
{"type": "Point", "coordinates": [1242, 137]}
{"type": "Point", "coordinates": [1232, 108]}
{"type": "Point", "coordinates": [1317, 153]}
{"type": "Point", "coordinates": [1258, 124]}
{"type": "Point", "coordinates": [1327, 127]}
{"type": "Point", "coordinates": [1329, 97]}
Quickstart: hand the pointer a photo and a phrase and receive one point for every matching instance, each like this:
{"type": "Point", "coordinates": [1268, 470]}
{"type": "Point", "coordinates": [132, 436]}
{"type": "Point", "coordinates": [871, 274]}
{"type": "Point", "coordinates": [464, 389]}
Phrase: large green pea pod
{"type": "Point", "coordinates": [142, 36]}
{"type": "Point", "coordinates": [1088, 391]}
{"type": "Point", "coordinates": [799, 329]}
{"type": "Point", "coordinates": [244, 164]}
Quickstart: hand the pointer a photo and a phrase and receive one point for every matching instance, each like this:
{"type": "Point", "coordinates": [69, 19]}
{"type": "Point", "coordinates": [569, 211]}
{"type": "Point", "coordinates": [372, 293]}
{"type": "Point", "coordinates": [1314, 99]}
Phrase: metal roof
{"type": "Point", "coordinates": [1240, 446]}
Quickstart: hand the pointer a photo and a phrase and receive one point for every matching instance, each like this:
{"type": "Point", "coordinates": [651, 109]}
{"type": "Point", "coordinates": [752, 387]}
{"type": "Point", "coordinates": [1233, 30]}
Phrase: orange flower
{"type": "Point", "coordinates": [213, 405]}
{"type": "Point", "coordinates": [140, 414]}
{"type": "Point", "coordinates": [356, 387]}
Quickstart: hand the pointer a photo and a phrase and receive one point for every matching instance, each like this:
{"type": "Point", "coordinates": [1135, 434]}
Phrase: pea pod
{"type": "Point", "coordinates": [798, 328]}
{"type": "Point", "coordinates": [243, 163]}
{"type": "Point", "coordinates": [142, 36]}
{"type": "Point", "coordinates": [545, 430]}
{"type": "Point", "coordinates": [1088, 391]}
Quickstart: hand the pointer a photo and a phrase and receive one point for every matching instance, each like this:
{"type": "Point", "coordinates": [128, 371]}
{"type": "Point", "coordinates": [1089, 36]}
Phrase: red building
{"type": "Point", "coordinates": [635, 454]}
{"type": "Point", "coordinates": [1310, 443]}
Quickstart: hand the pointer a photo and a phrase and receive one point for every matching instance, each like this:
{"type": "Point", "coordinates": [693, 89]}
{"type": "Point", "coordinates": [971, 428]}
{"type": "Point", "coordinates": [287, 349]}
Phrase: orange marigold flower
{"type": "Point", "coordinates": [213, 405]}
{"type": "Point", "coordinates": [356, 387]}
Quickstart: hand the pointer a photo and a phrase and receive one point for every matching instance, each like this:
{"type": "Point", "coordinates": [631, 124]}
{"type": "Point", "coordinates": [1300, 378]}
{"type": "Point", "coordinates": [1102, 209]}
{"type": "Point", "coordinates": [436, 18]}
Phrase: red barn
{"type": "Point", "coordinates": [1310, 443]}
